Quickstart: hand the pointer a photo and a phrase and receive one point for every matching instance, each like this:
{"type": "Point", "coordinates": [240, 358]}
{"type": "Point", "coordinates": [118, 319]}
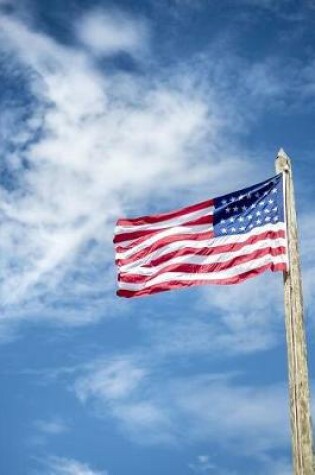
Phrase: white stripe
{"type": "Point", "coordinates": [166, 223]}
{"type": "Point", "coordinates": [137, 268]}
{"type": "Point", "coordinates": [218, 241]}
{"type": "Point", "coordinates": [202, 228]}
{"type": "Point", "coordinates": [231, 272]}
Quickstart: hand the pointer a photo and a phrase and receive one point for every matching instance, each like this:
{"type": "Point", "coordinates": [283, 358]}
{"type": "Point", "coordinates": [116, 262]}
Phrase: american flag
{"type": "Point", "coordinates": [224, 240]}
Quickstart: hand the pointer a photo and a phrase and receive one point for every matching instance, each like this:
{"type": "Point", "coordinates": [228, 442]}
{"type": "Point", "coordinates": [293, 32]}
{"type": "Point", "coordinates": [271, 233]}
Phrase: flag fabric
{"type": "Point", "coordinates": [224, 240]}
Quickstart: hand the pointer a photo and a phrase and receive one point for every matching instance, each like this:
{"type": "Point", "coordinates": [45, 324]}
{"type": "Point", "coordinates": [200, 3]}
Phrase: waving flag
{"type": "Point", "coordinates": [224, 240]}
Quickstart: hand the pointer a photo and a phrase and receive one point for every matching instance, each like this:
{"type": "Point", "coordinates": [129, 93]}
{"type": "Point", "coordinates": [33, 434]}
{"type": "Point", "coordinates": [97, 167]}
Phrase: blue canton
{"type": "Point", "coordinates": [253, 207]}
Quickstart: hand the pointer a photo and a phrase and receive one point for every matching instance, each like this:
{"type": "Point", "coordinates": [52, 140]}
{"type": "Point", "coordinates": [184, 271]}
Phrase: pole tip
{"type": "Point", "coordinates": [283, 163]}
{"type": "Point", "coordinates": [282, 154]}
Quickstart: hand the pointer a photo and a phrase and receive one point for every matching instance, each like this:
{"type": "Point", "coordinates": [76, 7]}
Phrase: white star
{"type": "Point", "coordinates": [233, 230]}
{"type": "Point", "coordinates": [241, 218]}
{"type": "Point", "coordinates": [265, 193]}
{"type": "Point", "coordinates": [257, 195]}
{"type": "Point", "coordinates": [253, 206]}
{"type": "Point", "coordinates": [275, 218]}
{"type": "Point", "coordinates": [248, 195]}
{"type": "Point", "coordinates": [242, 228]}
{"type": "Point", "coordinates": [235, 208]}
{"type": "Point", "coordinates": [224, 202]}
{"type": "Point", "coordinates": [241, 197]}
{"type": "Point", "coordinates": [275, 208]}
{"type": "Point", "coordinates": [258, 221]}
{"type": "Point", "coordinates": [244, 207]}
{"type": "Point", "coordinates": [270, 201]}
{"type": "Point", "coordinates": [251, 226]}
{"type": "Point", "coordinates": [224, 230]}
{"type": "Point", "coordinates": [267, 218]}
{"type": "Point", "coordinates": [250, 216]}
{"type": "Point", "coordinates": [222, 221]}
{"type": "Point", "coordinates": [261, 203]}
{"type": "Point", "coordinates": [233, 199]}
{"type": "Point", "coordinates": [267, 210]}
{"type": "Point", "coordinates": [258, 213]}
{"type": "Point", "coordinates": [227, 210]}
{"type": "Point", "coordinates": [232, 220]}
{"type": "Point", "coordinates": [274, 190]}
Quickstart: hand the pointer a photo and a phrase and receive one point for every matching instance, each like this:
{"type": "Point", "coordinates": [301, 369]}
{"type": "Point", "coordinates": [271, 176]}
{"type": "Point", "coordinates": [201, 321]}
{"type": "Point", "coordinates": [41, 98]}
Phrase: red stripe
{"type": "Point", "coordinates": [161, 243]}
{"type": "Point", "coordinates": [135, 234]}
{"type": "Point", "coordinates": [146, 232]}
{"type": "Point", "coordinates": [156, 218]}
{"type": "Point", "coordinates": [171, 285]}
{"type": "Point", "coordinates": [203, 251]}
{"type": "Point", "coordinates": [202, 268]}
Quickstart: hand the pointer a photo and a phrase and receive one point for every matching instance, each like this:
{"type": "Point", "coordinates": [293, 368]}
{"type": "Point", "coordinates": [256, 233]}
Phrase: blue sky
{"type": "Point", "coordinates": [125, 108]}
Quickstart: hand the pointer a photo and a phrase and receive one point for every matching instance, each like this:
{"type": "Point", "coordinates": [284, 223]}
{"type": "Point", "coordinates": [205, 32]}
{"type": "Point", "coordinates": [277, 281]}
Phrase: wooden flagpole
{"type": "Point", "coordinates": [301, 428]}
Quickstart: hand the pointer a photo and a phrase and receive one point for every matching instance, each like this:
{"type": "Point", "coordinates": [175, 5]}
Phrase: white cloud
{"type": "Point", "coordinates": [203, 464]}
{"type": "Point", "coordinates": [96, 145]}
{"type": "Point", "coordinates": [223, 322]}
{"type": "Point", "coordinates": [53, 426]}
{"type": "Point", "coordinates": [67, 466]}
{"type": "Point", "coordinates": [45, 429]}
{"type": "Point", "coordinates": [212, 408]}
{"type": "Point", "coordinates": [116, 384]}
{"type": "Point", "coordinates": [111, 32]}
{"type": "Point", "coordinates": [113, 380]}
{"type": "Point", "coordinates": [268, 465]}
{"type": "Point", "coordinates": [251, 314]}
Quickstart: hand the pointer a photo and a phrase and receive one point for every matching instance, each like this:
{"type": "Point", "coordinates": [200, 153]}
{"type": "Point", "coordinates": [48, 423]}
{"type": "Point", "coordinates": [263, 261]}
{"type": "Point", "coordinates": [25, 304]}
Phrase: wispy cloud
{"type": "Point", "coordinates": [44, 429]}
{"type": "Point", "coordinates": [92, 147]}
{"type": "Point", "coordinates": [204, 464]}
{"type": "Point", "coordinates": [109, 32]}
{"type": "Point", "coordinates": [111, 381]}
{"type": "Point", "coordinates": [53, 426]}
{"type": "Point", "coordinates": [67, 466]}
{"type": "Point", "coordinates": [69, 191]}
{"type": "Point", "coordinates": [215, 407]}
{"type": "Point", "coordinates": [225, 321]}
{"type": "Point", "coordinates": [269, 4]}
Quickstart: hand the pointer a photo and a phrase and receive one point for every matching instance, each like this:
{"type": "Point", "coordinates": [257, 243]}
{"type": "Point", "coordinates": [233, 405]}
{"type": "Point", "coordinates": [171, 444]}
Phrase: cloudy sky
{"type": "Point", "coordinates": [125, 108]}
